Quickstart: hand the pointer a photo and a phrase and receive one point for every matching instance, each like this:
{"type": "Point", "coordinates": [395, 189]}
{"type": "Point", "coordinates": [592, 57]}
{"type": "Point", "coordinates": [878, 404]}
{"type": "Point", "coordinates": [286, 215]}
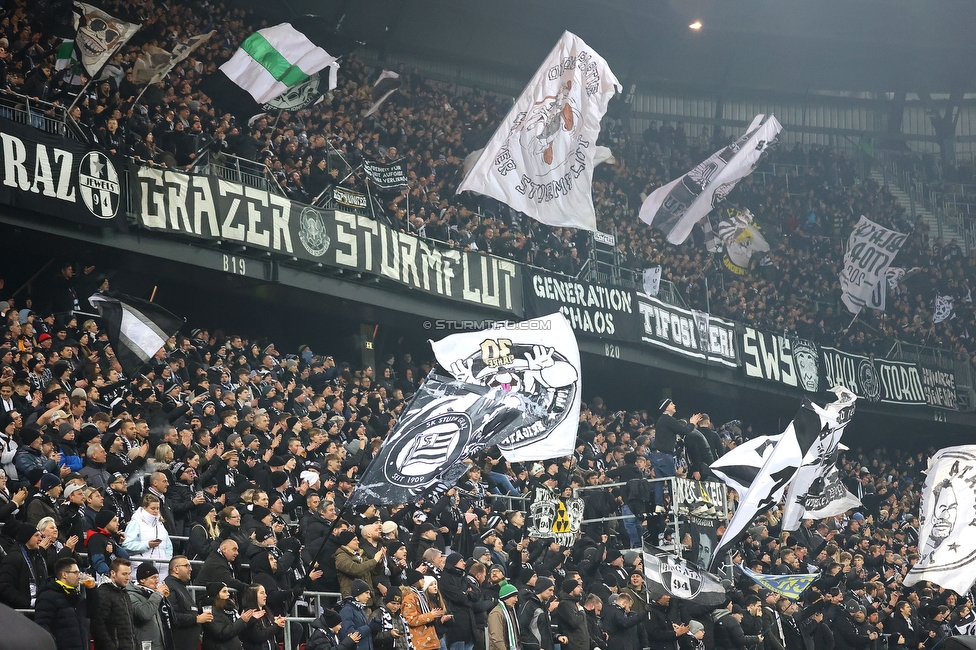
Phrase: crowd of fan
{"type": "Point", "coordinates": [231, 452]}
{"type": "Point", "coordinates": [794, 289]}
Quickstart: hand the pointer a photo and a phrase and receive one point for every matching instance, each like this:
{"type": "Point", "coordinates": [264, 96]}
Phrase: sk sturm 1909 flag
{"type": "Point", "coordinates": [947, 539]}
{"type": "Point", "coordinates": [791, 586]}
{"type": "Point", "coordinates": [155, 63]}
{"type": "Point", "coordinates": [136, 328]}
{"type": "Point", "coordinates": [540, 160]}
{"type": "Point", "coordinates": [386, 84]}
{"type": "Point", "coordinates": [269, 63]}
{"type": "Point", "coordinates": [870, 250]}
{"type": "Point", "coordinates": [537, 359]}
{"type": "Point", "coordinates": [942, 308]}
{"type": "Point", "coordinates": [742, 238]}
{"type": "Point", "coordinates": [740, 466]}
{"type": "Point", "coordinates": [817, 491]}
{"type": "Point", "coordinates": [777, 471]}
{"type": "Point", "coordinates": [99, 36]}
{"type": "Point", "coordinates": [676, 207]}
{"type": "Point", "coordinates": [681, 578]}
{"type": "Point", "coordinates": [446, 422]}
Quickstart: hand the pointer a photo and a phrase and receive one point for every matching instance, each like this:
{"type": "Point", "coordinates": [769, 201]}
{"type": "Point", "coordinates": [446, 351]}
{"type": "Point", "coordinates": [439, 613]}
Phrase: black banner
{"type": "Point", "coordinates": [876, 380]}
{"type": "Point", "coordinates": [939, 386]}
{"type": "Point", "coordinates": [591, 309]}
{"type": "Point", "coordinates": [59, 176]}
{"type": "Point", "coordinates": [210, 208]}
{"type": "Point", "coordinates": [350, 198]}
{"type": "Point", "coordinates": [689, 333]}
{"type": "Point", "coordinates": [790, 361]}
{"type": "Point", "coordinates": [389, 176]}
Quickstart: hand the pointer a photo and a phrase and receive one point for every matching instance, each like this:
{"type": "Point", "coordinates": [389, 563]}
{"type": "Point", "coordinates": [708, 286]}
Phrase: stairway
{"type": "Point", "coordinates": [949, 231]}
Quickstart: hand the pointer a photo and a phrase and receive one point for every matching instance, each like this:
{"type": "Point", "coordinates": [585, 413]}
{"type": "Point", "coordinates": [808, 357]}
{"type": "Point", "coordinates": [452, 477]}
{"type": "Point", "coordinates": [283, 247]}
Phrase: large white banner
{"type": "Point", "coordinates": [540, 160]}
{"type": "Point", "coordinates": [870, 250]}
{"type": "Point", "coordinates": [538, 358]}
{"type": "Point", "coordinates": [947, 540]}
{"type": "Point", "coordinates": [676, 207]}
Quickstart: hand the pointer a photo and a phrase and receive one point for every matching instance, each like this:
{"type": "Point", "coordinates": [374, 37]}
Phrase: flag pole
{"type": "Point", "coordinates": [153, 296]}
{"type": "Point", "coordinates": [81, 92]}
{"type": "Point", "coordinates": [141, 93]}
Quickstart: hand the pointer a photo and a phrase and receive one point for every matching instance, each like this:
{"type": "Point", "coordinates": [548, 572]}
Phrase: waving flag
{"type": "Point", "coordinates": [739, 467]}
{"type": "Point", "coordinates": [742, 238]}
{"type": "Point", "coordinates": [676, 207]}
{"type": "Point", "coordinates": [538, 359]}
{"type": "Point", "coordinates": [681, 578]}
{"type": "Point", "coordinates": [791, 586]}
{"type": "Point", "coordinates": [154, 63]}
{"type": "Point", "coordinates": [136, 328]}
{"type": "Point", "coordinates": [777, 471]}
{"type": "Point", "coordinates": [540, 160]}
{"type": "Point", "coordinates": [269, 63]}
{"type": "Point", "coordinates": [447, 422]}
{"type": "Point", "coordinates": [817, 491]}
{"type": "Point", "coordinates": [386, 84]}
{"type": "Point", "coordinates": [947, 541]}
{"type": "Point", "coordinates": [870, 250]}
{"type": "Point", "coordinates": [99, 36]}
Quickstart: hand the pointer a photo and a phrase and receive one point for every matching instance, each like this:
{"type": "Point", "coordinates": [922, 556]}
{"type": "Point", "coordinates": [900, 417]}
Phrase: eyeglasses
{"type": "Point", "coordinates": [72, 572]}
{"type": "Point", "coordinates": [180, 566]}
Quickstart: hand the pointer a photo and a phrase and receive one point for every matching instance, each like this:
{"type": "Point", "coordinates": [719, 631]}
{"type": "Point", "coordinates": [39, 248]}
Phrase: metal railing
{"type": "Point", "coordinates": [44, 116]}
{"type": "Point", "coordinates": [237, 170]}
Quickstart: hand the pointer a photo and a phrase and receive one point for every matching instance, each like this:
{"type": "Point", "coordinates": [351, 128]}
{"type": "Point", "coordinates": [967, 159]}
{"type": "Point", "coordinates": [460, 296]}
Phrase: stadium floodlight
{"type": "Point", "coordinates": [695, 25]}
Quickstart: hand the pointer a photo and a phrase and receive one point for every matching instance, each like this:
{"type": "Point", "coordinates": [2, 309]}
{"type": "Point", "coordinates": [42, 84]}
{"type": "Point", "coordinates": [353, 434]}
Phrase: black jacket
{"type": "Point", "coordinates": [185, 629]}
{"type": "Point", "coordinates": [216, 568]}
{"type": "Point", "coordinates": [111, 625]}
{"type": "Point", "coordinates": [851, 635]}
{"type": "Point", "coordinates": [729, 634]}
{"type": "Point", "coordinates": [570, 619]}
{"type": "Point", "coordinates": [223, 632]}
{"type": "Point", "coordinates": [64, 614]}
{"type": "Point", "coordinates": [623, 627]}
{"type": "Point", "coordinates": [459, 597]}
{"type": "Point", "coordinates": [660, 633]}
{"type": "Point", "coordinates": [535, 625]}
{"type": "Point", "coordinates": [15, 576]}
{"type": "Point", "coordinates": [666, 432]}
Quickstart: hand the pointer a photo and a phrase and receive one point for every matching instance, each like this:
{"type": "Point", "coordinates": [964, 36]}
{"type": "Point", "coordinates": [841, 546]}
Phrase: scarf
{"type": "Point", "coordinates": [512, 632]}
{"type": "Point", "coordinates": [386, 619]}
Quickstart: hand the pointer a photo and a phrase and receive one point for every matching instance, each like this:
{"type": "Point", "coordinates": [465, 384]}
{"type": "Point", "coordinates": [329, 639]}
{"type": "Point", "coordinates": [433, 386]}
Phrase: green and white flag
{"type": "Point", "coordinates": [269, 63]}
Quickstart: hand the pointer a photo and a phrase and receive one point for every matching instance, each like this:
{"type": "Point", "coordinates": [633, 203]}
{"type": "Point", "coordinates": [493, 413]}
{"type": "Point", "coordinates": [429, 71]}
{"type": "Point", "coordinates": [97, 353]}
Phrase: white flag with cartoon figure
{"type": "Point", "coordinates": [538, 359]}
{"type": "Point", "coordinates": [540, 160]}
{"type": "Point", "coordinates": [946, 541]}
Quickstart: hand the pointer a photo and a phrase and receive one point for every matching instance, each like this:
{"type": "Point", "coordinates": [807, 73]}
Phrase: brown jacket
{"type": "Point", "coordinates": [423, 634]}
{"type": "Point", "coordinates": [498, 633]}
{"type": "Point", "coordinates": [351, 565]}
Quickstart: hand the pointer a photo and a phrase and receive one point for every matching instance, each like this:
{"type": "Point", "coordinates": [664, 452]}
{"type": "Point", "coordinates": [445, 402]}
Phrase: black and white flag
{"type": "Point", "coordinates": [675, 208]}
{"type": "Point", "coordinates": [537, 359]}
{"type": "Point", "coordinates": [652, 280]}
{"type": "Point", "coordinates": [447, 421]}
{"type": "Point", "coordinates": [947, 541]}
{"type": "Point", "coordinates": [386, 84]}
{"type": "Point", "coordinates": [942, 308]}
{"type": "Point", "coordinates": [681, 578]}
{"type": "Point", "coordinates": [817, 490]}
{"type": "Point", "coordinates": [739, 467]}
{"type": "Point", "coordinates": [136, 328]}
{"type": "Point", "coordinates": [99, 36]}
{"type": "Point", "coordinates": [777, 471]}
{"type": "Point", "coordinates": [871, 248]}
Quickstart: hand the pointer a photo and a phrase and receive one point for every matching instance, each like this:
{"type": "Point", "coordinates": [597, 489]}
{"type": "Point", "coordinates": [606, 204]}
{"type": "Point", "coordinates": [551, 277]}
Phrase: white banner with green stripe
{"type": "Point", "coordinates": [274, 59]}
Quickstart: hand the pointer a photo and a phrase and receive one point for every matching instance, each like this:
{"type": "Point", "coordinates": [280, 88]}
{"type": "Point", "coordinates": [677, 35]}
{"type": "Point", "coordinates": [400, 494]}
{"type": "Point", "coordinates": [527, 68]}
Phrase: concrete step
{"type": "Point", "coordinates": [949, 231]}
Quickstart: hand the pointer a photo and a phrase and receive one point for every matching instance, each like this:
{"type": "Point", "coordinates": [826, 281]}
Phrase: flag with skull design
{"type": "Point", "coordinates": [99, 36]}
{"type": "Point", "coordinates": [537, 358]}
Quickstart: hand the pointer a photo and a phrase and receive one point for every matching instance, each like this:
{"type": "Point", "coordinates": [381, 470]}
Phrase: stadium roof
{"type": "Point", "coordinates": [797, 45]}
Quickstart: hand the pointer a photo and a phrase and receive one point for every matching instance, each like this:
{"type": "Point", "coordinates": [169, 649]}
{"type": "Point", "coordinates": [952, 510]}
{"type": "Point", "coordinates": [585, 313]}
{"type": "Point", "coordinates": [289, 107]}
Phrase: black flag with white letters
{"type": "Point", "coordinates": [62, 177]}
